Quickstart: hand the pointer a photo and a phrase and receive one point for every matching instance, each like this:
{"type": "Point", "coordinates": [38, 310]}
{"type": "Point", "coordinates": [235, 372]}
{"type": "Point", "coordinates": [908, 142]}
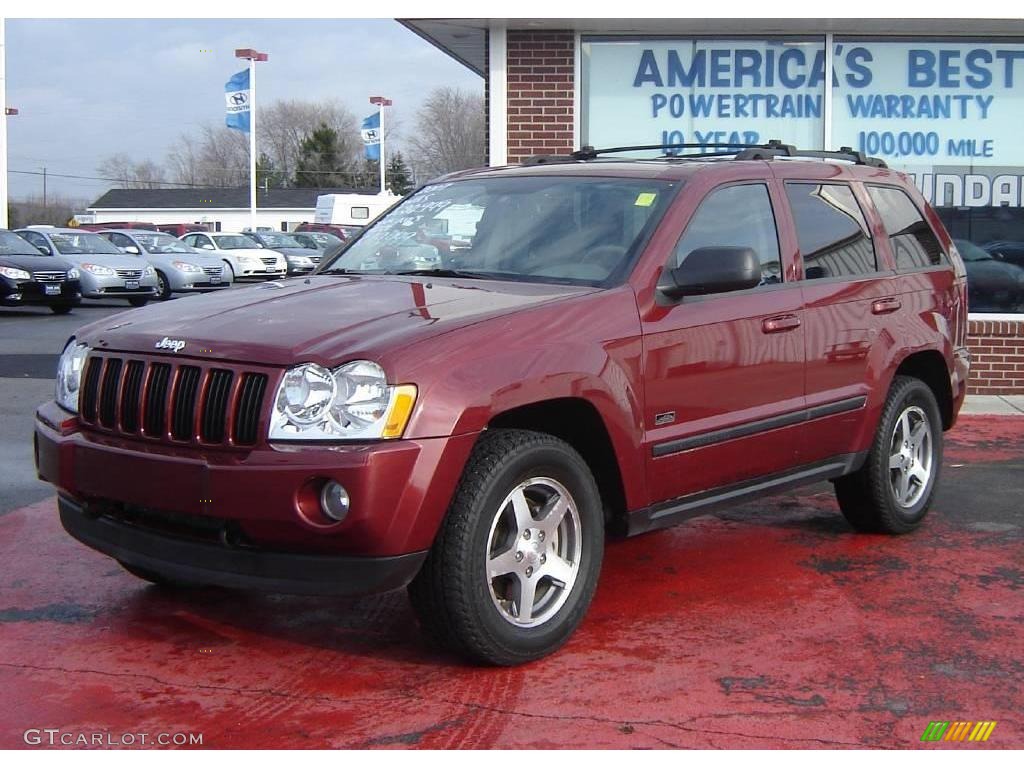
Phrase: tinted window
{"type": "Point", "coordinates": [913, 242]}
{"type": "Point", "coordinates": [739, 216]}
{"type": "Point", "coordinates": [831, 230]}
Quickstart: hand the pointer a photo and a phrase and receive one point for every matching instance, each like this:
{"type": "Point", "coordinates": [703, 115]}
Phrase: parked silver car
{"type": "Point", "coordinates": [106, 273]}
{"type": "Point", "coordinates": [244, 256]}
{"type": "Point", "coordinates": [180, 268]}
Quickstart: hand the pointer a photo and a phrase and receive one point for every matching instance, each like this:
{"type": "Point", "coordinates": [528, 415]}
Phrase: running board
{"type": "Point", "coordinates": [684, 508]}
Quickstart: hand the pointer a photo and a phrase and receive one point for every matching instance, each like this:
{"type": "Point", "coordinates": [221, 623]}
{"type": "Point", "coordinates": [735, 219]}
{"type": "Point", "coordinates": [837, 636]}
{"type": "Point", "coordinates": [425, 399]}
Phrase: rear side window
{"type": "Point", "coordinates": [831, 230]}
{"type": "Point", "coordinates": [913, 242]}
{"type": "Point", "coordinates": [739, 216]}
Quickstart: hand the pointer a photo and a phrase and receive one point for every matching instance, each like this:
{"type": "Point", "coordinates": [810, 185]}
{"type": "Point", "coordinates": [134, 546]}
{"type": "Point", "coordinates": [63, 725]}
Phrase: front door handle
{"type": "Point", "coordinates": [780, 323]}
{"type": "Point", "coordinates": [886, 305]}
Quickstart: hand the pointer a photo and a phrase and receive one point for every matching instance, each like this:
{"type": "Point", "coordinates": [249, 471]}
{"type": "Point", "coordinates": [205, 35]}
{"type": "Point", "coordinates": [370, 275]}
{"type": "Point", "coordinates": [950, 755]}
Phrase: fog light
{"type": "Point", "coordinates": [334, 501]}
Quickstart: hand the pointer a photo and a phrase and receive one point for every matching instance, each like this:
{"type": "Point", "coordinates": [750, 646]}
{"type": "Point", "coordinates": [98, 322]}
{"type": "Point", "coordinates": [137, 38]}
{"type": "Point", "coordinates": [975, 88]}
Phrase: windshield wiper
{"type": "Point", "coordinates": [444, 272]}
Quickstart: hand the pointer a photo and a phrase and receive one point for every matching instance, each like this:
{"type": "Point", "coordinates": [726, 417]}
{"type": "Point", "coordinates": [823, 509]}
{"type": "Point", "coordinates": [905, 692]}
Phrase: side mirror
{"type": "Point", "coordinates": [715, 269]}
{"type": "Point", "coordinates": [47, 251]}
{"type": "Point", "coordinates": [130, 249]}
{"type": "Point", "coordinates": [206, 246]}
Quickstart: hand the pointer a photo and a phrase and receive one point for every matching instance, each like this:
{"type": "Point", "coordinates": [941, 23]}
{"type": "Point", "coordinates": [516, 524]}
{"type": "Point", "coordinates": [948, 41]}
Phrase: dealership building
{"type": "Point", "coordinates": [942, 100]}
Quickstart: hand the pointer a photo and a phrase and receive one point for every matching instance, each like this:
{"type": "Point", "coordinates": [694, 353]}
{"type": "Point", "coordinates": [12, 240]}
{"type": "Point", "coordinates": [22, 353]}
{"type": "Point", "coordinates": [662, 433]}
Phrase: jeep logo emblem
{"type": "Point", "coordinates": [174, 345]}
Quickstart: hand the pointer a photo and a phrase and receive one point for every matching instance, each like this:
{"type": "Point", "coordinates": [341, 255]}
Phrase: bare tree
{"type": "Point", "coordinates": [449, 132]}
{"type": "Point", "coordinates": [183, 161]}
{"type": "Point", "coordinates": [286, 124]}
{"type": "Point", "coordinates": [129, 174]}
{"type": "Point", "coordinates": [57, 211]}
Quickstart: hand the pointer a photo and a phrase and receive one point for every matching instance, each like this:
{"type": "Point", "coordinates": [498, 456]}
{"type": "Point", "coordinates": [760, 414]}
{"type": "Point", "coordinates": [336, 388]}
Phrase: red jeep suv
{"type": "Point", "coordinates": [623, 345]}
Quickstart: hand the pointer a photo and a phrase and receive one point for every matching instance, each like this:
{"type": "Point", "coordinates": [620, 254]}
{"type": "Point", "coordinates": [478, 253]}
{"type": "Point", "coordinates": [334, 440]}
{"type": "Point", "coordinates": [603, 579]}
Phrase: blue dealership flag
{"type": "Point", "coordinates": [236, 96]}
{"type": "Point", "coordinates": [371, 136]}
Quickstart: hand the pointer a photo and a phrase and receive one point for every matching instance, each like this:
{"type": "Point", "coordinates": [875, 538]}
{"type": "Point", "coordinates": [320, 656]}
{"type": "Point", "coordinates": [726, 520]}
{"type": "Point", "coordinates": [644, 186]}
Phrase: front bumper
{"type": "Point", "coordinates": [104, 286]}
{"type": "Point", "coordinates": [17, 293]}
{"type": "Point", "coordinates": [223, 565]}
{"type": "Point", "coordinates": [267, 496]}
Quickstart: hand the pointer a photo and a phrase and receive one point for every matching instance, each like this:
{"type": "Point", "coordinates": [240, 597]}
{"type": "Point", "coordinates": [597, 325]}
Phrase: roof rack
{"type": "Point", "coordinates": [774, 148]}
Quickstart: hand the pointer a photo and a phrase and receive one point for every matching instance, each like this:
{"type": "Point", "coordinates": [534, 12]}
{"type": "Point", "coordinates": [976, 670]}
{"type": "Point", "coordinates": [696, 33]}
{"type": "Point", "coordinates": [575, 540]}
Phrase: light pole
{"type": "Point", "coordinates": [3, 126]}
{"type": "Point", "coordinates": [381, 102]}
{"type": "Point", "coordinates": [252, 55]}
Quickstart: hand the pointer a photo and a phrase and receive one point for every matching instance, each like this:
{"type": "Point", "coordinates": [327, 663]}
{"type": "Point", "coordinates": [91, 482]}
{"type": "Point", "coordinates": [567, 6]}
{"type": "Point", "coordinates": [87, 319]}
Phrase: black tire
{"type": "Point", "coordinates": [163, 288]}
{"type": "Point", "coordinates": [61, 309]}
{"type": "Point", "coordinates": [231, 270]}
{"type": "Point", "coordinates": [867, 498]}
{"type": "Point", "coordinates": [452, 594]}
{"type": "Point", "coordinates": [154, 577]}
{"type": "Point", "coordinates": [139, 302]}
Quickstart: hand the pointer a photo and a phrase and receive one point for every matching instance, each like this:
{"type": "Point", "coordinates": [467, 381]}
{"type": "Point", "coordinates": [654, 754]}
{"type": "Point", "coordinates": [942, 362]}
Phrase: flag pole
{"type": "Point", "coordinates": [252, 144]}
{"type": "Point", "coordinates": [253, 56]}
{"type": "Point", "coordinates": [381, 161]}
{"type": "Point", "coordinates": [381, 102]}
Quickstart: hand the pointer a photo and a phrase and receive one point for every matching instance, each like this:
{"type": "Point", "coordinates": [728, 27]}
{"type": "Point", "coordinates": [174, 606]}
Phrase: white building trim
{"type": "Point", "coordinates": [497, 72]}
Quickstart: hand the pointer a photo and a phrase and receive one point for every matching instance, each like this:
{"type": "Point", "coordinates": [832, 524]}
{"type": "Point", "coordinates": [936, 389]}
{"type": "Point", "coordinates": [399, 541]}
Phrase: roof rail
{"type": "Point", "coordinates": [774, 148]}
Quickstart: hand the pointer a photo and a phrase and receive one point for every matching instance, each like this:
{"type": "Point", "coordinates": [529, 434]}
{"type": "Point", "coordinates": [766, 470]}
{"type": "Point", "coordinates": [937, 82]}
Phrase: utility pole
{"type": "Point", "coordinates": [44, 187]}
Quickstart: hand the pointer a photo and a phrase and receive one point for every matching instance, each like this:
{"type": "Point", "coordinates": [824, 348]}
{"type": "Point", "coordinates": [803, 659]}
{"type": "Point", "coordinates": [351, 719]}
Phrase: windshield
{"type": "Point", "coordinates": [82, 242]}
{"type": "Point", "coordinates": [971, 252]}
{"type": "Point", "coordinates": [578, 230]}
{"type": "Point", "coordinates": [233, 242]}
{"type": "Point", "coordinates": [279, 240]}
{"type": "Point", "coordinates": [319, 239]}
{"type": "Point", "coordinates": [163, 244]}
{"type": "Point", "coordinates": [11, 245]}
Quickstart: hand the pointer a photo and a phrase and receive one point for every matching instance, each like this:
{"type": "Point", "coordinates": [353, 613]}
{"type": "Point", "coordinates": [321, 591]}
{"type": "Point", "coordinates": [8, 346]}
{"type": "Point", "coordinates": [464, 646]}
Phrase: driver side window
{"type": "Point", "coordinates": [737, 216]}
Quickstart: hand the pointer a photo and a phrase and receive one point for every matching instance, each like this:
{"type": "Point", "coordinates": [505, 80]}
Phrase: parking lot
{"type": "Point", "coordinates": [768, 625]}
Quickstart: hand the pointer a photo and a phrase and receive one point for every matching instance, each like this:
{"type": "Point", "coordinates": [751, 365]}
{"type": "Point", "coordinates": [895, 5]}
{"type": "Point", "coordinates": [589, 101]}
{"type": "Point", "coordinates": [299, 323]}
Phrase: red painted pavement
{"type": "Point", "coordinates": [772, 625]}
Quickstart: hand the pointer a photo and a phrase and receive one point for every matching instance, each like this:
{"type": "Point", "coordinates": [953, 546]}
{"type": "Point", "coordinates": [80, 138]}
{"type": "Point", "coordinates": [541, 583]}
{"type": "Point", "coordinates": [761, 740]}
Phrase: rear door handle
{"type": "Point", "coordinates": [886, 305]}
{"type": "Point", "coordinates": [780, 323]}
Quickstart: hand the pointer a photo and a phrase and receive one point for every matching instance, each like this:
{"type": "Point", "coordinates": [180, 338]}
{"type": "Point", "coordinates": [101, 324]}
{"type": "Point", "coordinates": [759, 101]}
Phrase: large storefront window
{"type": "Point", "coordinates": [703, 91]}
{"type": "Point", "coordinates": [949, 112]}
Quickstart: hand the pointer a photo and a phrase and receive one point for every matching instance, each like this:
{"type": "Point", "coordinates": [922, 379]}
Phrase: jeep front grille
{"type": "Point", "coordinates": [171, 401]}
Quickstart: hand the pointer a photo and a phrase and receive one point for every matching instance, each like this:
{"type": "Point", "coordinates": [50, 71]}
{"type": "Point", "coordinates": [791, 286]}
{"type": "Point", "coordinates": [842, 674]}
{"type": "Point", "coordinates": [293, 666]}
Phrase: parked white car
{"type": "Point", "coordinates": [243, 255]}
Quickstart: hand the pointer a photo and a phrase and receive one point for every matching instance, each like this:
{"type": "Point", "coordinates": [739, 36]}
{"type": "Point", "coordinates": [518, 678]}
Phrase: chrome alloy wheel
{"type": "Point", "coordinates": [533, 552]}
{"type": "Point", "coordinates": [910, 457]}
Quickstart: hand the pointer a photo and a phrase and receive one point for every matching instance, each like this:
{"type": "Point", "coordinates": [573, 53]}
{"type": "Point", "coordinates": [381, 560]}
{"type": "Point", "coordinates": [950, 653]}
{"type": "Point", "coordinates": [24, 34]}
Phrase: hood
{"type": "Point", "coordinates": [34, 262]}
{"type": "Point", "coordinates": [322, 319]}
{"type": "Point", "coordinates": [256, 253]}
{"type": "Point", "coordinates": [114, 261]}
{"type": "Point", "coordinates": [309, 252]}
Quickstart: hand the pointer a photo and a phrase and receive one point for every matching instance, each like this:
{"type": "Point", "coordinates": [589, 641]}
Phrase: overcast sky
{"type": "Point", "coordinates": [87, 89]}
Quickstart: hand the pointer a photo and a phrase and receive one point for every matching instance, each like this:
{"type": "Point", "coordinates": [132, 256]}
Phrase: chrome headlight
{"type": "Point", "coordinates": [73, 274]}
{"type": "Point", "coordinates": [14, 273]}
{"type": "Point", "coordinates": [302, 261]}
{"type": "Point", "coordinates": [149, 271]}
{"type": "Point", "coordinates": [69, 375]}
{"type": "Point", "coordinates": [186, 266]}
{"type": "Point", "coordinates": [98, 269]}
{"type": "Point", "coordinates": [351, 402]}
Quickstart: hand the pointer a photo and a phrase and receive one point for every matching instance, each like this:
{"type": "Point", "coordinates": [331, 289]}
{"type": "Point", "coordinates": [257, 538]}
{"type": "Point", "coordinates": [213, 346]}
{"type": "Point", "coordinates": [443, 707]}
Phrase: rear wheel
{"type": "Point", "coordinates": [515, 565]}
{"type": "Point", "coordinates": [894, 489]}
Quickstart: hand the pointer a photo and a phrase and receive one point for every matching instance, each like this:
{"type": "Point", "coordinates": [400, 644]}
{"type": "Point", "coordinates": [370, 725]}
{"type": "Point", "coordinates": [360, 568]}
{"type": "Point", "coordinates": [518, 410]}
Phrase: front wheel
{"type": "Point", "coordinates": [60, 309]}
{"type": "Point", "coordinates": [894, 489]}
{"type": "Point", "coordinates": [163, 288]}
{"type": "Point", "coordinates": [138, 302]}
{"type": "Point", "coordinates": [515, 565]}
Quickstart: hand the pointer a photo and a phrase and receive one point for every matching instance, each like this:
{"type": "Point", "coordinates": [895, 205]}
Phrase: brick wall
{"type": "Point", "coordinates": [540, 93]}
{"type": "Point", "coordinates": [997, 357]}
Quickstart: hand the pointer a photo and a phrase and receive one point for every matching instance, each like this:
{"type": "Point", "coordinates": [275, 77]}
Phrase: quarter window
{"type": "Point", "coordinates": [913, 242]}
{"type": "Point", "coordinates": [739, 216]}
{"type": "Point", "coordinates": [833, 236]}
